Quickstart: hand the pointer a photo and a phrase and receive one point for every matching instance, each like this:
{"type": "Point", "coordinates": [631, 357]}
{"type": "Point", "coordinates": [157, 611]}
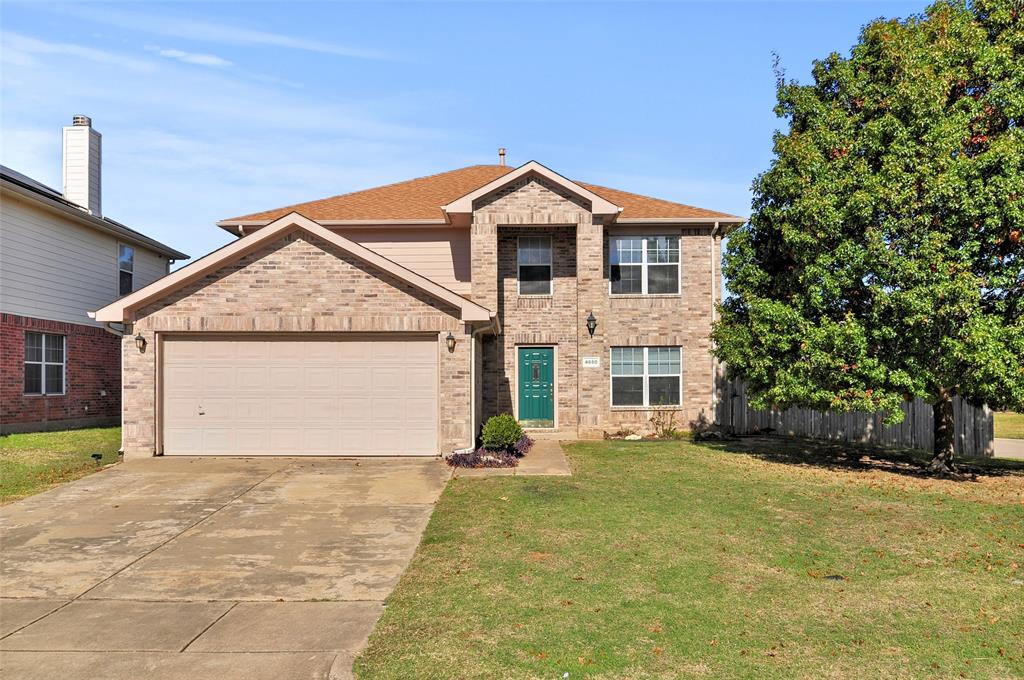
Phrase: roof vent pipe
{"type": "Point", "coordinates": [501, 156]}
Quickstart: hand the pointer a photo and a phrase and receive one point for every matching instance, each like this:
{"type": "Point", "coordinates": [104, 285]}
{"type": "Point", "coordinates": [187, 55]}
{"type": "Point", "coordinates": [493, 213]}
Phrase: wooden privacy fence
{"type": "Point", "coordinates": [973, 424]}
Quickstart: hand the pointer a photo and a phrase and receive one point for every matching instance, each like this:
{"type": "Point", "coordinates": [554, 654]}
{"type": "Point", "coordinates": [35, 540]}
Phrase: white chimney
{"type": "Point", "coordinates": [82, 158]}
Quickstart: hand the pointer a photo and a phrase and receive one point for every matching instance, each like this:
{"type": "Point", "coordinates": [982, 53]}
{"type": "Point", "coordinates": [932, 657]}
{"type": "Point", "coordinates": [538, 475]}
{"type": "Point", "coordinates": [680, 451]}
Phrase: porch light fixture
{"type": "Point", "coordinates": [450, 341]}
{"type": "Point", "coordinates": [591, 324]}
{"type": "Point", "coordinates": [140, 342]}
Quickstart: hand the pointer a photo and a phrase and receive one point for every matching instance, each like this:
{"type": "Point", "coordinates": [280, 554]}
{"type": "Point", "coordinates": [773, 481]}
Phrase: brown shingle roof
{"type": "Point", "coordinates": [422, 198]}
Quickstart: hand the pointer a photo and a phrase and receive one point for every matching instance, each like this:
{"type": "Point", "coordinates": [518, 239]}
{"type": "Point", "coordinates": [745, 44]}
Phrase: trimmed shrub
{"type": "Point", "coordinates": [501, 432]}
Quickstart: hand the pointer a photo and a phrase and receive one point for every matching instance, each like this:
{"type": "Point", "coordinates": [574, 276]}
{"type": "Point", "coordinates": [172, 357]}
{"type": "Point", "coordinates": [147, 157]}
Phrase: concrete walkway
{"type": "Point", "coordinates": [218, 568]}
{"type": "Point", "coordinates": [1008, 448]}
{"type": "Point", "coordinates": [546, 457]}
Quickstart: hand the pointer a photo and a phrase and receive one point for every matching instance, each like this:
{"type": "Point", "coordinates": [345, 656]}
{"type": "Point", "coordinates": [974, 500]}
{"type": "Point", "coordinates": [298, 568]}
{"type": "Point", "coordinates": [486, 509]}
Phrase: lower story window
{"type": "Point", "coordinates": [646, 376]}
{"type": "Point", "coordinates": [44, 363]}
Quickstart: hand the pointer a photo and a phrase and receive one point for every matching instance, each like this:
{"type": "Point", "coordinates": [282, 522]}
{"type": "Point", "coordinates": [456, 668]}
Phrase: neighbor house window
{"type": "Point", "coordinates": [44, 363]}
{"type": "Point", "coordinates": [125, 269]}
{"type": "Point", "coordinates": [644, 265]}
{"type": "Point", "coordinates": [646, 376]}
{"type": "Point", "coordinates": [535, 265]}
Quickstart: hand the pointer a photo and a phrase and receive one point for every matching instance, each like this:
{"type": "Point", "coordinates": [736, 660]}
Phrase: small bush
{"type": "Point", "coordinates": [501, 432]}
{"type": "Point", "coordinates": [483, 458]}
{"type": "Point", "coordinates": [664, 423]}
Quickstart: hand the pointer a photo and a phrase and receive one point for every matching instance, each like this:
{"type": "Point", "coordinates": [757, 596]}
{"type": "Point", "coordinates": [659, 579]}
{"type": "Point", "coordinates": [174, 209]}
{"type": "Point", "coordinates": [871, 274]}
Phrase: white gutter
{"type": "Point", "coordinates": [714, 362]}
{"type": "Point", "coordinates": [102, 225]}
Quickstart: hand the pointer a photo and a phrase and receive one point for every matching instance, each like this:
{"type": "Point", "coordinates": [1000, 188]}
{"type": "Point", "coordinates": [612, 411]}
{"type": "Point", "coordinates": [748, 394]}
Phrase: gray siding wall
{"type": "Point", "coordinates": [53, 268]}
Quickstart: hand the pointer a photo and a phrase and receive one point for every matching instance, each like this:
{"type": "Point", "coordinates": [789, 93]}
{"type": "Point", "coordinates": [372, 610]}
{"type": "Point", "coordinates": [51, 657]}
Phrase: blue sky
{"type": "Point", "coordinates": [213, 110]}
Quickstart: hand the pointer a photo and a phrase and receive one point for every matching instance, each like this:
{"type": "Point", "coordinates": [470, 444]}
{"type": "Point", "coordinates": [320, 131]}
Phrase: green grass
{"type": "Point", "coordinates": [667, 560]}
{"type": "Point", "coordinates": [1009, 425]}
{"type": "Point", "coordinates": [30, 463]}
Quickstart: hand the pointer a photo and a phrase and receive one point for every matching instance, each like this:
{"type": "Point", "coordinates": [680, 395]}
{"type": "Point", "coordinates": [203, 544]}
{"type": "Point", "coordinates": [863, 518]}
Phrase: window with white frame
{"type": "Point", "coordinates": [646, 376]}
{"type": "Point", "coordinates": [125, 269]}
{"type": "Point", "coordinates": [534, 265]}
{"type": "Point", "coordinates": [44, 363]}
{"type": "Point", "coordinates": [644, 265]}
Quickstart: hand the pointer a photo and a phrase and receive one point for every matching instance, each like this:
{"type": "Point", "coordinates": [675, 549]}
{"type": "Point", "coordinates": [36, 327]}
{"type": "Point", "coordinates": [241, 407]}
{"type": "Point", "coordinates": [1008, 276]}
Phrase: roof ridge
{"type": "Point", "coordinates": [363, 191]}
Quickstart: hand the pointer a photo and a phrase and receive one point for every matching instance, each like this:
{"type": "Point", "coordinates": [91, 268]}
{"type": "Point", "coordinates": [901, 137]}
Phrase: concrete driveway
{"type": "Point", "coordinates": [1009, 448]}
{"type": "Point", "coordinates": [208, 567]}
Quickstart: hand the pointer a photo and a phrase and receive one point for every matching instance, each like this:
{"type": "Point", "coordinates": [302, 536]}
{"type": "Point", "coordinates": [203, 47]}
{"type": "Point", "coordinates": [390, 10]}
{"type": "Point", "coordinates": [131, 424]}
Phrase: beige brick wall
{"type": "Point", "coordinates": [683, 321]}
{"type": "Point", "coordinates": [531, 205]}
{"type": "Point", "coordinates": [581, 286]}
{"type": "Point", "coordinates": [535, 320]}
{"type": "Point", "coordinates": [297, 284]}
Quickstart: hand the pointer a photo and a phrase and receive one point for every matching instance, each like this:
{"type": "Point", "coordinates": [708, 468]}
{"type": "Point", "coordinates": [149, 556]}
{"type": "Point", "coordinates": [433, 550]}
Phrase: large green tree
{"type": "Point", "coordinates": [883, 259]}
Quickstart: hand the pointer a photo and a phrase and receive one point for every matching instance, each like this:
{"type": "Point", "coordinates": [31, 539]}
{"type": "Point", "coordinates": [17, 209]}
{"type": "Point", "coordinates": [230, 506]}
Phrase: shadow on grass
{"type": "Point", "coordinates": [857, 457]}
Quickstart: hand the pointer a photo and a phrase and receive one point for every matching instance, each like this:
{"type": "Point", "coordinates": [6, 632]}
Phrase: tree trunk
{"type": "Point", "coordinates": [943, 429]}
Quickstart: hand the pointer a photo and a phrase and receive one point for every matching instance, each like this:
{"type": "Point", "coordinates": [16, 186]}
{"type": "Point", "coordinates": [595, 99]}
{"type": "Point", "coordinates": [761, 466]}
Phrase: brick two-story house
{"type": "Point", "coordinates": [60, 259]}
{"type": "Point", "coordinates": [395, 320]}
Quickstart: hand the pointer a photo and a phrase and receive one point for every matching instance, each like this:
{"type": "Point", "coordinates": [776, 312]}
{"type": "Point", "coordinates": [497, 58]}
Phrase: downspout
{"type": "Point", "coordinates": [714, 363]}
{"type": "Point", "coordinates": [493, 325]}
{"type": "Point", "coordinates": [126, 330]}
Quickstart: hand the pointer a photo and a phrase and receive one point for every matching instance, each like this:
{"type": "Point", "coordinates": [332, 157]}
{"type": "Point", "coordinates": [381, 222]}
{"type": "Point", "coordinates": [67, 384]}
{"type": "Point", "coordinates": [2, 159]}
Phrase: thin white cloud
{"type": "Point", "coordinates": [21, 50]}
{"type": "Point", "coordinates": [212, 142]}
{"type": "Point", "coordinates": [203, 30]}
{"type": "Point", "coordinates": [195, 58]}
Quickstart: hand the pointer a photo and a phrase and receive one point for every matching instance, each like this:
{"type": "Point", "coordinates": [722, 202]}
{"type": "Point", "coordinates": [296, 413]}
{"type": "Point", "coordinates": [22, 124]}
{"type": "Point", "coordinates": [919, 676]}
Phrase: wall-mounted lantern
{"type": "Point", "coordinates": [591, 324]}
{"type": "Point", "coordinates": [450, 341]}
{"type": "Point", "coordinates": [140, 342]}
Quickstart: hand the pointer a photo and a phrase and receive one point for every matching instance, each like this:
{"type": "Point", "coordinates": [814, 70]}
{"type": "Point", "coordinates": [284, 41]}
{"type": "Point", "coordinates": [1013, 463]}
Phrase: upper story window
{"type": "Point", "coordinates": [44, 363]}
{"type": "Point", "coordinates": [125, 269]}
{"type": "Point", "coordinates": [644, 265]}
{"type": "Point", "coordinates": [646, 376]}
{"type": "Point", "coordinates": [534, 265]}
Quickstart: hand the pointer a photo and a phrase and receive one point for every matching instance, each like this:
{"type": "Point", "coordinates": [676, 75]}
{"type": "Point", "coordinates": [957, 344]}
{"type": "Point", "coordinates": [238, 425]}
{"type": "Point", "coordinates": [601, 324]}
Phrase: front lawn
{"type": "Point", "coordinates": [30, 463]}
{"type": "Point", "coordinates": [1009, 425]}
{"type": "Point", "coordinates": [753, 559]}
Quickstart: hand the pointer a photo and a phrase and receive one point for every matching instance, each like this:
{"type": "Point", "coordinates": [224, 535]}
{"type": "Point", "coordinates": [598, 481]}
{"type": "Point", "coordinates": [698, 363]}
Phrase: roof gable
{"type": "Point", "coordinates": [122, 310]}
{"type": "Point", "coordinates": [598, 205]}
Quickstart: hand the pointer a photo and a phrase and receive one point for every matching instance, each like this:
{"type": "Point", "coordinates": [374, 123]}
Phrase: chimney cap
{"type": "Point", "coordinates": [501, 156]}
{"type": "Point", "coordinates": [81, 121]}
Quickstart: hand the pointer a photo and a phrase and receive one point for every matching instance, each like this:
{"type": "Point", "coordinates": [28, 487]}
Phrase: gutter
{"type": "Point", "coordinates": [716, 250]}
{"type": "Point", "coordinates": [105, 225]}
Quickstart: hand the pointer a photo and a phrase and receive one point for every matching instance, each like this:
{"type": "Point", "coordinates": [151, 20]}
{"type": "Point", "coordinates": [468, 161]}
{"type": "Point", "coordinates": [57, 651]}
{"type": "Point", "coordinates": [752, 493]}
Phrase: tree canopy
{"type": "Point", "coordinates": [884, 257]}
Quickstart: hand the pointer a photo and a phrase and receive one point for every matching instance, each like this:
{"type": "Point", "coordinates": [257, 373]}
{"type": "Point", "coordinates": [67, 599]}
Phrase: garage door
{"type": "Point", "coordinates": [288, 397]}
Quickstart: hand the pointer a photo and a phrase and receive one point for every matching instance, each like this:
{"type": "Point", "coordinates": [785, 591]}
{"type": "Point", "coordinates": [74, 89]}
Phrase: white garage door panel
{"type": "Point", "coordinates": [231, 396]}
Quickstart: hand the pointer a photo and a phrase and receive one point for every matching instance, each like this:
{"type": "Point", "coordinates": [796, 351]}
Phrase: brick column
{"type": "Point", "coordinates": [592, 297]}
{"type": "Point", "coordinates": [484, 255]}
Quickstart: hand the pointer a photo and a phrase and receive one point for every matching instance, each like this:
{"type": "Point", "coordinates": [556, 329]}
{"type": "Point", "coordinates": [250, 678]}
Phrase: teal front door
{"type": "Point", "coordinates": [537, 386]}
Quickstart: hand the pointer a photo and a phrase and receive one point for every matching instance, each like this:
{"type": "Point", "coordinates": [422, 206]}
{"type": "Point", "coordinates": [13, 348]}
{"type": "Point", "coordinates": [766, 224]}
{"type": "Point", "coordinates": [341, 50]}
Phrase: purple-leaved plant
{"type": "Point", "coordinates": [521, 447]}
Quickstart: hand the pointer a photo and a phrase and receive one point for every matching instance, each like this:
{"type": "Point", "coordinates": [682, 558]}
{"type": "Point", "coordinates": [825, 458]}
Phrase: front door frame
{"type": "Point", "coordinates": [554, 382]}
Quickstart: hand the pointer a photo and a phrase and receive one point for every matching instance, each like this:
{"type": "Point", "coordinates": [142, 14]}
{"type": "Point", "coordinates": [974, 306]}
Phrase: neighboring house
{"type": "Point", "coordinates": [395, 320]}
{"type": "Point", "coordinates": [59, 260]}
